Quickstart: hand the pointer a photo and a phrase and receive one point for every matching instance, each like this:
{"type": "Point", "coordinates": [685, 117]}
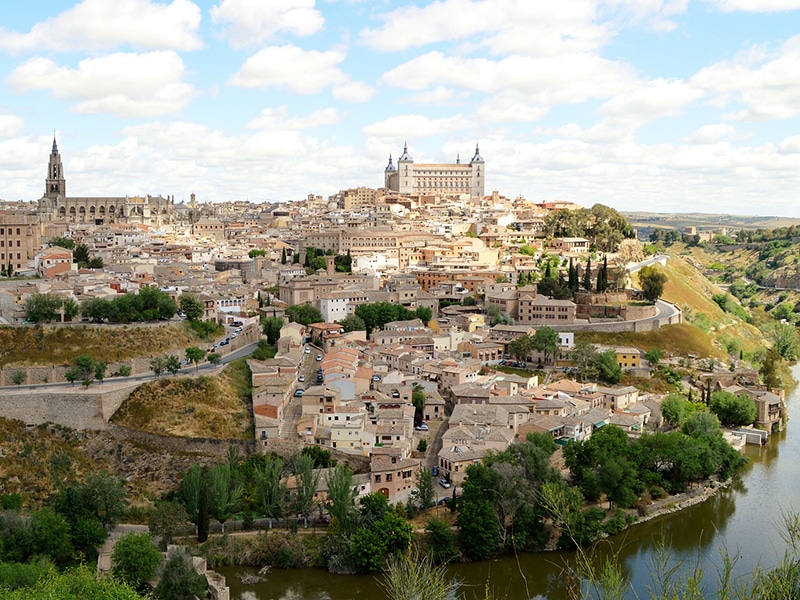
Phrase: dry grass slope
{"type": "Point", "coordinates": [213, 407]}
{"type": "Point", "coordinates": [60, 345]}
{"type": "Point", "coordinates": [34, 462]}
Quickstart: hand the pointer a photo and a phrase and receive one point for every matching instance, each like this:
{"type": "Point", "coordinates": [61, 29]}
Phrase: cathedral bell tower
{"type": "Point", "coordinates": [55, 185]}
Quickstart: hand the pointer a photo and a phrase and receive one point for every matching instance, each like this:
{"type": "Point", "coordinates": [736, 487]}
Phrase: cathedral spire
{"type": "Point", "coordinates": [55, 145]}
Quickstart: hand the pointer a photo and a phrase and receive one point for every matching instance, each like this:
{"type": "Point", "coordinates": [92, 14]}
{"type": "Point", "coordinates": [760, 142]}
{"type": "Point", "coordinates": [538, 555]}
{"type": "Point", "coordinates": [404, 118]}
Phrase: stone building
{"type": "Point", "coordinates": [20, 239]}
{"type": "Point", "coordinates": [55, 205]}
{"type": "Point", "coordinates": [436, 179]}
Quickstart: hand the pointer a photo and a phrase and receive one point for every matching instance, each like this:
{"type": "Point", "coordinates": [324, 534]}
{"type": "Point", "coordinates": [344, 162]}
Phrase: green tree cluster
{"type": "Point", "coordinates": [652, 280]}
{"type": "Point", "coordinates": [305, 314]}
{"type": "Point", "coordinates": [377, 314]}
{"type": "Point", "coordinates": [148, 304]}
{"type": "Point", "coordinates": [44, 308]}
{"type": "Point", "coordinates": [499, 506]}
{"type": "Point", "coordinates": [594, 365]}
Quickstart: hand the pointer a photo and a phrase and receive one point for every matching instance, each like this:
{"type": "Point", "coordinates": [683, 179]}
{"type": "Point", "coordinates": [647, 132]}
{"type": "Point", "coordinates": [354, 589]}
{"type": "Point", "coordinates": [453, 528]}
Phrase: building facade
{"type": "Point", "coordinates": [55, 205]}
{"type": "Point", "coordinates": [436, 179]}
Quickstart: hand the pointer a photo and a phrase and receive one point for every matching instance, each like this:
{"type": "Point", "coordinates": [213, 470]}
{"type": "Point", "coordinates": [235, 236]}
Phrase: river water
{"type": "Point", "coordinates": [744, 519]}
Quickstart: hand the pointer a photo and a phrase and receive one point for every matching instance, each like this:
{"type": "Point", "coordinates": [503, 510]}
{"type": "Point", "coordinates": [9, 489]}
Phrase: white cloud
{"type": "Point", "coordinates": [279, 119]}
{"type": "Point", "coordinates": [651, 99]}
{"type": "Point", "coordinates": [438, 96]}
{"type": "Point", "coordinates": [500, 26]}
{"type": "Point", "coordinates": [10, 125]}
{"type": "Point", "coordinates": [303, 71]}
{"type": "Point", "coordinates": [414, 126]}
{"type": "Point", "coordinates": [122, 84]}
{"type": "Point", "coordinates": [566, 79]}
{"type": "Point", "coordinates": [755, 5]}
{"type": "Point", "coordinates": [766, 83]}
{"type": "Point", "coordinates": [102, 24]}
{"type": "Point", "coordinates": [249, 22]}
{"type": "Point", "coordinates": [511, 107]}
{"type": "Point", "coordinates": [711, 134]}
{"type": "Point", "coordinates": [353, 92]}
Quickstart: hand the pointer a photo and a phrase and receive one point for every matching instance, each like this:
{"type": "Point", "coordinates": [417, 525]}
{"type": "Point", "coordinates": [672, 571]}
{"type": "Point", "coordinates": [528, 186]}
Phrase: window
{"type": "Point", "coordinates": [388, 477]}
{"type": "Point", "coordinates": [377, 478]}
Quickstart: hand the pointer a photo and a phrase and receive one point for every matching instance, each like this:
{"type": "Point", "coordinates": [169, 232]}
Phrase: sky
{"type": "Point", "coordinates": [652, 105]}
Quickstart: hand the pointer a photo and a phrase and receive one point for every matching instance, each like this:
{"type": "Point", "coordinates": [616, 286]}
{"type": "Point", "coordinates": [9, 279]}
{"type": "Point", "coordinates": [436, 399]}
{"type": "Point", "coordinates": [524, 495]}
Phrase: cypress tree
{"type": "Point", "coordinates": [283, 256]}
{"type": "Point", "coordinates": [587, 276]}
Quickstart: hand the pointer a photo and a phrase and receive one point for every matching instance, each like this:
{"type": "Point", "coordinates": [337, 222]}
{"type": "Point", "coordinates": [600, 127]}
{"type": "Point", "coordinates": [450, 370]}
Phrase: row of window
{"type": "Point", "coordinates": [10, 243]}
{"type": "Point", "coordinates": [10, 231]}
{"type": "Point", "coordinates": [10, 257]}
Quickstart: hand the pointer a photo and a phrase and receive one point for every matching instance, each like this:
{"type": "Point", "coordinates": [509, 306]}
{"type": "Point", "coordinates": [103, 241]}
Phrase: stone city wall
{"type": "Point", "coordinates": [76, 408]}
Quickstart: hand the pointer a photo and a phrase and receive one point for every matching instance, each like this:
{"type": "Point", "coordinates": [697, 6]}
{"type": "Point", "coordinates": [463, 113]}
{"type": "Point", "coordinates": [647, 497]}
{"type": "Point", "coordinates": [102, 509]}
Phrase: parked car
{"type": "Point", "coordinates": [422, 427]}
{"type": "Point", "coordinates": [444, 483]}
{"type": "Point", "coordinates": [435, 470]}
{"type": "Point", "coordinates": [395, 394]}
{"type": "Point", "coordinates": [307, 350]}
{"type": "Point", "coordinates": [301, 379]}
{"type": "Point", "coordinates": [319, 357]}
{"type": "Point", "coordinates": [299, 393]}
{"type": "Point", "coordinates": [376, 378]}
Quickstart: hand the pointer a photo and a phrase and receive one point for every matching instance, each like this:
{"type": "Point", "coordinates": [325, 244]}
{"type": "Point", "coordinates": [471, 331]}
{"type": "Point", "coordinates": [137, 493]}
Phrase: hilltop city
{"type": "Point", "coordinates": [421, 323]}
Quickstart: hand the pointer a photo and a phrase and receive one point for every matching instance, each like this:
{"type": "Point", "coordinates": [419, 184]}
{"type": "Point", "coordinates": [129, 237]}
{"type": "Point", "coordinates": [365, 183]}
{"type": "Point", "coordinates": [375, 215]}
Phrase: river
{"type": "Point", "coordinates": [744, 519]}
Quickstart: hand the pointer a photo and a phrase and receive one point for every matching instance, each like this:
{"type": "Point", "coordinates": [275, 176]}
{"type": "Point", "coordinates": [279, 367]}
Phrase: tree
{"type": "Point", "coordinates": [441, 542]}
{"type": "Point", "coordinates": [341, 497]}
{"type": "Point", "coordinates": [195, 355]}
{"type": "Point", "coordinates": [42, 308]}
{"type": "Point", "coordinates": [674, 409]}
{"type": "Point", "coordinates": [80, 255]}
{"type": "Point", "coordinates": [654, 356]}
{"type": "Point", "coordinates": [305, 314]}
{"type": "Point", "coordinates": [770, 370]}
{"type": "Point", "coordinates": [72, 375]}
{"type": "Point", "coordinates": [607, 367]}
{"type": "Point", "coordinates": [215, 358]}
{"type": "Point", "coordinates": [224, 493]}
{"type": "Point", "coordinates": [283, 256]}
{"type": "Point", "coordinates": [134, 559]}
{"type": "Point", "coordinates": [545, 340]}
{"type": "Point", "coordinates": [272, 329]}
{"type": "Point", "coordinates": [353, 323]}
{"type": "Point", "coordinates": [195, 495]}
{"type": "Point", "coordinates": [86, 366]}
{"type": "Point", "coordinates": [652, 280]}
{"type": "Point", "coordinates": [602, 276]}
{"type": "Point", "coordinates": [172, 363]}
{"type": "Point", "coordinates": [19, 377]}
{"type": "Point", "coordinates": [167, 520]}
{"type": "Point", "coordinates": [191, 306]}
{"type": "Point", "coordinates": [424, 493]}
{"type": "Point", "coordinates": [587, 276]}
{"type": "Point", "coordinates": [270, 491]}
{"type": "Point", "coordinates": [100, 368]}
{"type": "Point", "coordinates": [307, 480]}
{"type": "Point", "coordinates": [70, 309]}
{"type": "Point", "coordinates": [255, 252]}
{"type": "Point", "coordinates": [158, 364]}
{"type": "Point", "coordinates": [62, 242]}
{"type": "Point", "coordinates": [784, 341]}
{"type": "Point", "coordinates": [322, 458]}
{"type": "Point", "coordinates": [733, 410]}
{"type": "Point", "coordinates": [521, 347]}
{"type": "Point", "coordinates": [180, 580]}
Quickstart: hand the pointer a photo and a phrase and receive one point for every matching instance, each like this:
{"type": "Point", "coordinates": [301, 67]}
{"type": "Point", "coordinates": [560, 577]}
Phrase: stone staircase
{"type": "Point", "coordinates": [291, 417]}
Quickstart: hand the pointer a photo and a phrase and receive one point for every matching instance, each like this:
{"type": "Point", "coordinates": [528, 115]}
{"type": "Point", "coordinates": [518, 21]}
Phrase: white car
{"type": "Point", "coordinates": [319, 357]}
{"type": "Point", "coordinates": [307, 350]}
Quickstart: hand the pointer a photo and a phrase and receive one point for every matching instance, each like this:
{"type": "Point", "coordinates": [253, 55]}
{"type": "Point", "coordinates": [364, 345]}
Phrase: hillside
{"type": "Point", "coordinates": [47, 345]}
{"type": "Point", "coordinates": [211, 407]}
